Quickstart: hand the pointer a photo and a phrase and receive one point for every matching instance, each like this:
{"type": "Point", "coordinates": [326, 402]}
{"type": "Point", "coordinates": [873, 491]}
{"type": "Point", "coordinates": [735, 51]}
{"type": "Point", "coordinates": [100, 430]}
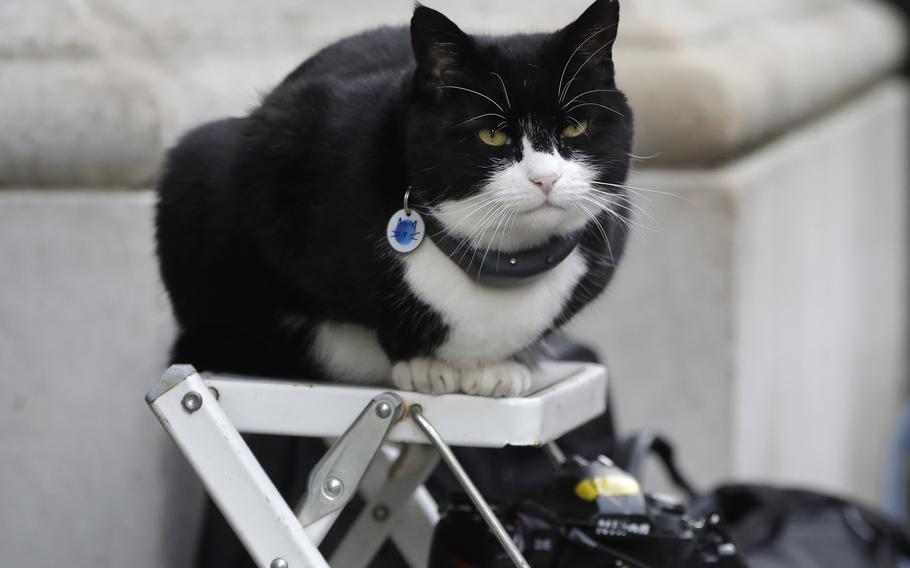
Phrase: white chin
{"type": "Point", "coordinates": [552, 220]}
{"type": "Point", "coordinates": [534, 227]}
{"type": "Point", "coordinates": [518, 230]}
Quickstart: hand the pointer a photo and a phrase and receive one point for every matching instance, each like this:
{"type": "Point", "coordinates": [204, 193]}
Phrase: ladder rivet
{"type": "Point", "coordinates": [383, 410]}
{"type": "Point", "coordinates": [279, 563]}
{"type": "Point", "coordinates": [333, 487]}
{"type": "Point", "coordinates": [380, 512]}
{"type": "Point", "coordinates": [191, 402]}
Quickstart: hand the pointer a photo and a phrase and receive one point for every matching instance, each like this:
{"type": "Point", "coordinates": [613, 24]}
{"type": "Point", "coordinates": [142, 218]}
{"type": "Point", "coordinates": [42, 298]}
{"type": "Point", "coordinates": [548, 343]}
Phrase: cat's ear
{"type": "Point", "coordinates": [589, 40]}
{"type": "Point", "coordinates": [441, 49]}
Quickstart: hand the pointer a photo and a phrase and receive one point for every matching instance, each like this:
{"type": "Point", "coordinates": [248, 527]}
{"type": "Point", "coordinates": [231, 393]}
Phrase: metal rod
{"type": "Point", "coordinates": [495, 526]}
{"type": "Point", "coordinates": [555, 453]}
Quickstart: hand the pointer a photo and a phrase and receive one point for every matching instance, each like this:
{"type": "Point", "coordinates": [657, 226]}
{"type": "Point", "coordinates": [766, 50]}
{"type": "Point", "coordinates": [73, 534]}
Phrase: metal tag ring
{"type": "Point", "coordinates": [407, 194]}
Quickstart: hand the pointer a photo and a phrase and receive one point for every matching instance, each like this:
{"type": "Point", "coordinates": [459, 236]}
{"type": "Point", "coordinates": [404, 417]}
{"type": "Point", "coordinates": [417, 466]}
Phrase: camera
{"type": "Point", "coordinates": [592, 514]}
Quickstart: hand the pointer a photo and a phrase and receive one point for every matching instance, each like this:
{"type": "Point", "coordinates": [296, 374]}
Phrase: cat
{"type": "Point", "coordinates": [277, 231]}
{"type": "Point", "coordinates": [272, 229]}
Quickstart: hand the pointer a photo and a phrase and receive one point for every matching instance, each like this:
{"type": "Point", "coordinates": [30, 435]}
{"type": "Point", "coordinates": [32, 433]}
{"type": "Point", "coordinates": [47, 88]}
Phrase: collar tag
{"type": "Point", "coordinates": [405, 230]}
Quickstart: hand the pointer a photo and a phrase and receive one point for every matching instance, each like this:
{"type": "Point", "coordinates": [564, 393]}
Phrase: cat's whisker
{"type": "Point", "coordinates": [571, 57]}
{"type": "Point", "coordinates": [468, 203]}
{"type": "Point", "coordinates": [577, 71]}
{"type": "Point", "coordinates": [612, 199]}
{"type": "Point", "coordinates": [588, 93]}
{"type": "Point", "coordinates": [502, 216]}
{"type": "Point", "coordinates": [450, 231]}
{"type": "Point", "coordinates": [496, 114]}
{"type": "Point", "coordinates": [622, 195]}
{"type": "Point", "coordinates": [627, 186]}
{"type": "Point", "coordinates": [583, 129]}
{"type": "Point", "coordinates": [504, 90]}
{"type": "Point", "coordinates": [600, 228]}
{"type": "Point", "coordinates": [487, 219]}
{"type": "Point", "coordinates": [579, 105]}
{"type": "Point", "coordinates": [634, 206]}
{"type": "Point", "coordinates": [478, 234]}
{"type": "Point", "coordinates": [643, 158]}
{"type": "Point", "coordinates": [477, 196]}
{"type": "Point", "coordinates": [610, 208]}
{"type": "Point", "coordinates": [472, 209]}
{"type": "Point", "coordinates": [607, 209]}
{"type": "Point", "coordinates": [511, 219]}
{"type": "Point", "coordinates": [483, 219]}
{"type": "Point", "coordinates": [480, 238]}
{"type": "Point", "coordinates": [472, 91]}
{"type": "Point", "coordinates": [625, 194]}
{"type": "Point", "coordinates": [483, 225]}
{"type": "Point", "coordinates": [634, 188]}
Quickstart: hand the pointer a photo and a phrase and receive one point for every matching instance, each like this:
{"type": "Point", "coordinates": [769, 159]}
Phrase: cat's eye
{"type": "Point", "coordinates": [493, 137]}
{"type": "Point", "coordinates": [575, 129]}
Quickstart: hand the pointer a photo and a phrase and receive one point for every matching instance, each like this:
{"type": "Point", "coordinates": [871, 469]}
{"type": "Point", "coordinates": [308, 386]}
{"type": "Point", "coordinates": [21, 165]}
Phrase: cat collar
{"type": "Point", "coordinates": [500, 269]}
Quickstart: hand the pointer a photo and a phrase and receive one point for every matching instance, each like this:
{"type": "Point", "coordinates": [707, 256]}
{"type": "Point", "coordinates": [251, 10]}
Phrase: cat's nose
{"type": "Point", "coordinates": [545, 182]}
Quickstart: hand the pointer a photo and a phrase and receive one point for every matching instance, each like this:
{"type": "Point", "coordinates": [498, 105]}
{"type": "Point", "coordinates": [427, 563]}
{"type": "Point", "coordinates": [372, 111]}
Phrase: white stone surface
{"type": "Point", "coordinates": [760, 320]}
{"type": "Point", "coordinates": [760, 324]}
{"type": "Point", "coordinates": [706, 78]}
{"type": "Point", "coordinates": [88, 478]}
{"type": "Point", "coordinates": [77, 122]}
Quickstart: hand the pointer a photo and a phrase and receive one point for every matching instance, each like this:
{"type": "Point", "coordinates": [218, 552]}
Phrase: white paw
{"type": "Point", "coordinates": [426, 375]}
{"type": "Point", "coordinates": [504, 379]}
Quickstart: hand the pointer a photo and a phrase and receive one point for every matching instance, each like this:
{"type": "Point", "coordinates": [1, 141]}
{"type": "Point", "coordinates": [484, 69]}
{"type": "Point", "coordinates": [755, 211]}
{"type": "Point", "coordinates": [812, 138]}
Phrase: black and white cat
{"type": "Point", "coordinates": [272, 228]}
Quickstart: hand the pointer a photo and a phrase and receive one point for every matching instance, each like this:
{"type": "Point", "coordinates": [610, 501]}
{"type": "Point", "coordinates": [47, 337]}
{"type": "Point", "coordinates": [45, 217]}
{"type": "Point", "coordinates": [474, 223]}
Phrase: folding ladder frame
{"type": "Point", "coordinates": [385, 445]}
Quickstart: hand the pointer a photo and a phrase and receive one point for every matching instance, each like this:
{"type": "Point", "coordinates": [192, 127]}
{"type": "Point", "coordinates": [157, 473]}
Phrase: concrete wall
{"type": "Point", "coordinates": [758, 319]}
{"type": "Point", "coordinates": [87, 476]}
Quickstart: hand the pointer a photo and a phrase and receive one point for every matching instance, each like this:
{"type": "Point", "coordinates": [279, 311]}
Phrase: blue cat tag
{"type": "Point", "coordinates": [405, 230]}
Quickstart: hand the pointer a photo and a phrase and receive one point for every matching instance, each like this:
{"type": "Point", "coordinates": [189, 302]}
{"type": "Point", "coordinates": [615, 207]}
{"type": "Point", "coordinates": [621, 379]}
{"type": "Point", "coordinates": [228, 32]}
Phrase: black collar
{"type": "Point", "coordinates": [496, 268]}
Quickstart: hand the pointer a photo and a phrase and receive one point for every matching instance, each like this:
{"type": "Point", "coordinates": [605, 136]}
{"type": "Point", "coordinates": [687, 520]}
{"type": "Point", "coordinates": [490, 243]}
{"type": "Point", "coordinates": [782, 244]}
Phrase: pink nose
{"type": "Point", "coordinates": [545, 182]}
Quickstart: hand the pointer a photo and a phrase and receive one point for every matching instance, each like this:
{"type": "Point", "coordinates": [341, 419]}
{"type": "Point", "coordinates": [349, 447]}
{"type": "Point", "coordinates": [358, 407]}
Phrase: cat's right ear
{"type": "Point", "coordinates": [590, 38]}
{"type": "Point", "coordinates": [441, 49]}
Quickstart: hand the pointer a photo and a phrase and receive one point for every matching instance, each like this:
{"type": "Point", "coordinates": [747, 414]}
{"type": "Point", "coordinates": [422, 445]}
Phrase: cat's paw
{"type": "Point", "coordinates": [426, 375]}
{"type": "Point", "coordinates": [505, 379]}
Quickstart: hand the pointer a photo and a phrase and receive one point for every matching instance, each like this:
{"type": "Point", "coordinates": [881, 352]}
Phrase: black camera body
{"type": "Point", "coordinates": [591, 515]}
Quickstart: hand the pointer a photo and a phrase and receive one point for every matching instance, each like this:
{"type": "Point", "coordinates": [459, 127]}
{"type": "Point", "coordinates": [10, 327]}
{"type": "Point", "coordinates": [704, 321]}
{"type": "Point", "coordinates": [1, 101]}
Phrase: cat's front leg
{"type": "Point", "coordinates": [503, 379]}
{"type": "Point", "coordinates": [432, 376]}
{"type": "Point", "coordinates": [426, 375]}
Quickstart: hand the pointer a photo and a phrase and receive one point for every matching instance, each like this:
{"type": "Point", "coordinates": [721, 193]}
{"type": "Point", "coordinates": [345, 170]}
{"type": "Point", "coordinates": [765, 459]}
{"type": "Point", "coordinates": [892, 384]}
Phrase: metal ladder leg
{"type": "Point", "coordinates": [416, 413]}
{"type": "Point", "coordinates": [190, 413]}
{"type": "Point", "coordinates": [397, 506]}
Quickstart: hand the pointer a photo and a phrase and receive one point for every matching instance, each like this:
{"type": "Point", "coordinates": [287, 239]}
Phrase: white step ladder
{"type": "Point", "coordinates": [386, 443]}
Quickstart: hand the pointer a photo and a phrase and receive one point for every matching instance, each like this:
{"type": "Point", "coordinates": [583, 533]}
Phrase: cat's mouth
{"type": "Point", "coordinates": [510, 226]}
{"type": "Point", "coordinates": [545, 206]}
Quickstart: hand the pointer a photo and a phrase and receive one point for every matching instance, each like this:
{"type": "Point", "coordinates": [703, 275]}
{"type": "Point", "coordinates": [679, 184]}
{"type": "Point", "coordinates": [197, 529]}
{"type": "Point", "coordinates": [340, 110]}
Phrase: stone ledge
{"type": "Point", "coordinates": [706, 84]}
{"type": "Point", "coordinates": [77, 123]}
{"type": "Point", "coordinates": [714, 95]}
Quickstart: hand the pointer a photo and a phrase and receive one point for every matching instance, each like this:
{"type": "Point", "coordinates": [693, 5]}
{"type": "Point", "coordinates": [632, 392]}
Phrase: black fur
{"type": "Point", "coordinates": [271, 223]}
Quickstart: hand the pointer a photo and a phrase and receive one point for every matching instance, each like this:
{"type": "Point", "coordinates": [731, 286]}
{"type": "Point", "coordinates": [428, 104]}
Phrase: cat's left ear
{"type": "Point", "coordinates": [441, 49]}
{"type": "Point", "coordinates": [588, 41]}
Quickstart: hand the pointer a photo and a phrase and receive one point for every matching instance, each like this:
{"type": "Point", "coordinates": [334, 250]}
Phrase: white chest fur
{"type": "Point", "coordinates": [488, 324]}
{"type": "Point", "coordinates": [351, 353]}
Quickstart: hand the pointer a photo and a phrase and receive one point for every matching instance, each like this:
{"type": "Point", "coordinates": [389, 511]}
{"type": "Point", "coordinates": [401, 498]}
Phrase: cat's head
{"type": "Point", "coordinates": [514, 139]}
